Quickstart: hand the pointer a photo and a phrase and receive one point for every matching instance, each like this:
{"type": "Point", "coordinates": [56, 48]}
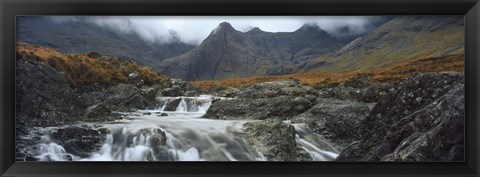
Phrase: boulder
{"type": "Point", "coordinates": [367, 92]}
{"type": "Point", "coordinates": [80, 140]}
{"type": "Point", "coordinates": [281, 107]}
{"type": "Point", "coordinates": [337, 120]}
{"type": "Point", "coordinates": [229, 92]}
{"type": "Point", "coordinates": [100, 112]}
{"type": "Point", "coordinates": [279, 99]}
{"type": "Point", "coordinates": [175, 90]}
{"type": "Point", "coordinates": [125, 97]}
{"type": "Point", "coordinates": [173, 104]}
{"type": "Point", "coordinates": [290, 87]}
{"type": "Point", "coordinates": [420, 119]}
{"type": "Point", "coordinates": [43, 95]}
{"type": "Point", "coordinates": [275, 140]}
{"type": "Point", "coordinates": [180, 88]}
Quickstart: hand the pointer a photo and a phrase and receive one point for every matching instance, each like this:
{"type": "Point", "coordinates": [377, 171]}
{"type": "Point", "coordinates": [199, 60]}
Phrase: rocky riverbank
{"type": "Point", "coordinates": [419, 118]}
{"type": "Point", "coordinates": [44, 98]}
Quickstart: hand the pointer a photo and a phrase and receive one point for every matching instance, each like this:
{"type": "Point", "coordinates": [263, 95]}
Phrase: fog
{"type": "Point", "coordinates": [193, 29]}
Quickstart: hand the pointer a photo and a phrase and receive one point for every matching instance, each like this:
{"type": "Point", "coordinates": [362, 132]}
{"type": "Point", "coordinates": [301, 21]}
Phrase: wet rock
{"type": "Point", "coordinates": [101, 113]}
{"type": "Point", "coordinates": [280, 99]}
{"type": "Point", "coordinates": [215, 89]}
{"type": "Point", "coordinates": [289, 87]}
{"type": "Point", "coordinates": [172, 105]}
{"type": "Point", "coordinates": [275, 140]}
{"type": "Point", "coordinates": [229, 92]}
{"type": "Point", "coordinates": [126, 97]}
{"type": "Point", "coordinates": [43, 95]}
{"type": "Point", "coordinates": [337, 120]}
{"type": "Point", "coordinates": [175, 90]}
{"type": "Point", "coordinates": [367, 92]}
{"type": "Point", "coordinates": [80, 140]}
{"type": "Point", "coordinates": [180, 88]}
{"type": "Point", "coordinates": [157, 142]}
{"type": "Point", "coordinates": [281, 107]}
{"type": "Point", "coordinates": [164, 114]}
{"type": "Point", "coordinates": [402, 127]}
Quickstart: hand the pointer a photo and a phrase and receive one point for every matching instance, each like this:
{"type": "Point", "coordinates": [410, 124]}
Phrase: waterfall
{"type": "Point", "coordinates": [317, 146]}
{"type": "Point", "coordinates": [180, 135]}
{"type": "Point", "coordinates": [183, 104]}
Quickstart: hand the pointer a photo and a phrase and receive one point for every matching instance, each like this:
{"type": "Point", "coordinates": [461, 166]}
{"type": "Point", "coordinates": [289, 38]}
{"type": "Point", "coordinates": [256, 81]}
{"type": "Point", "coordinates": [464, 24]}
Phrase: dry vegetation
{"type": "Point", "coordinates": [89, 69]}
{"type": "Point", "coordinates": [453, 62]}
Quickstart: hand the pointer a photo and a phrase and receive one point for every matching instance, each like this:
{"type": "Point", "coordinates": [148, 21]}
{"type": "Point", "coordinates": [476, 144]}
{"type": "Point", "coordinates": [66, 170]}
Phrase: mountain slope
{"type": "Point", "coordinates": [80, 37]}
{"type": "Point", "coordinates": [402, 38]}
{"type": "Point", "coordinates": [227, 53]}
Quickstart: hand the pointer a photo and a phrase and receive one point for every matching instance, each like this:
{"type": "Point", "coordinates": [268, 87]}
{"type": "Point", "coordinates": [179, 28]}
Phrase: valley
{"type": "Point", "coordinates": [393, 93]}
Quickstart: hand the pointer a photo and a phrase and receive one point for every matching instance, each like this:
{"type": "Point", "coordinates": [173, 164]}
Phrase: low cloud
{"type": "Point", "coordinates": [193, 29]}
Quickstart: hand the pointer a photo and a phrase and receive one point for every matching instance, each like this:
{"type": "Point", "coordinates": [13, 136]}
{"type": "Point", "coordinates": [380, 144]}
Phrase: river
{"type": "Point", "coordinates": [188, 137]}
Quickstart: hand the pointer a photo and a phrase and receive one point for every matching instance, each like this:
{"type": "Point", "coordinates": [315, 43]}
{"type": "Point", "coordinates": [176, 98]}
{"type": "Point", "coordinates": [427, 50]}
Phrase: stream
{"type": "Point", "coordinates": [188, 137]}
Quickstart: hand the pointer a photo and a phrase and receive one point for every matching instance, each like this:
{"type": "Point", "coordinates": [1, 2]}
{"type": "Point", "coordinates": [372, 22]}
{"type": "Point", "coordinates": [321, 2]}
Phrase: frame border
{"type": "Point", "coordinates": [10, 8]}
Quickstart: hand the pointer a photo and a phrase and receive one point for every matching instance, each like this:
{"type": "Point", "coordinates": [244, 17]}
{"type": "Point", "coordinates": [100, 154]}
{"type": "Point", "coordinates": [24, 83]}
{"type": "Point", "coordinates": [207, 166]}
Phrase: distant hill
{"type": "Point", "coordinates": [81, 37]}
{"type": "Point", "coordinates": [401, 39]}
{"type": "Point", "coordinates": [227, 53]}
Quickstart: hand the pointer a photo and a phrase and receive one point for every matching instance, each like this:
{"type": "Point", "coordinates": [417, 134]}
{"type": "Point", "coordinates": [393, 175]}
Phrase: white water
{"type": "Point", "coordinates": [188, 137]}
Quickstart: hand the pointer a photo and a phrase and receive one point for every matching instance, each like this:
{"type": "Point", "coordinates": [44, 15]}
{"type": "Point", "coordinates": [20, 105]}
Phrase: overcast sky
{"type": "Point", "coordinates": [193, 29]}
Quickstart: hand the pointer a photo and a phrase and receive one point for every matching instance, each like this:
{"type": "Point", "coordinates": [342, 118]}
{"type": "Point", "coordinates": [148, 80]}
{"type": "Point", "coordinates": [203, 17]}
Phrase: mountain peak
{"type": "Point", "coordinates": [223, 26]}
{"type": "Point", "coordinates": [256, 29]}
{"type": "Point", "coordinates": [309, 26]}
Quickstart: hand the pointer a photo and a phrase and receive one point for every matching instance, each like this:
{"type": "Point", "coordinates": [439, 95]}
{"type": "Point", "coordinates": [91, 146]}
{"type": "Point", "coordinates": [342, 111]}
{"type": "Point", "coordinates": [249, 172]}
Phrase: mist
{"type": "Point", "coordinates": [194, 29]}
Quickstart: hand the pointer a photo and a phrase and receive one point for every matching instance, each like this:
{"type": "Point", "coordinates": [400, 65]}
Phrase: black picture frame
{"type": "Point", "coordinates": [9, 9]}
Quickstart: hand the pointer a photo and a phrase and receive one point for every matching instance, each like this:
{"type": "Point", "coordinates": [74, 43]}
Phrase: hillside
{"type": "Point", "coordinates": [401, 39]}
{"type": "Point", "coordinates": [81, 36]}
{"type": "Point", "coordinates": [454, 62]}
{"type": "Point", "coordinates": [90, 69]}
{"type": "Point", "coordinates": [227, 53]}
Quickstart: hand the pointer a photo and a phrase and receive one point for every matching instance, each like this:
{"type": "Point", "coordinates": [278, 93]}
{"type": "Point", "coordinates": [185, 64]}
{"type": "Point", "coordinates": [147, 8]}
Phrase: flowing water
{"type": "Point", "coordinates": [188, 137]}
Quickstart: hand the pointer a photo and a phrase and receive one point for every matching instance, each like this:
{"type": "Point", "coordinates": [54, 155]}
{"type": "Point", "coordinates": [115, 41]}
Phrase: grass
{"type": "Point", "coordinates": [90, 68]}
{"type": "Point", "coordinates": [453, 62]}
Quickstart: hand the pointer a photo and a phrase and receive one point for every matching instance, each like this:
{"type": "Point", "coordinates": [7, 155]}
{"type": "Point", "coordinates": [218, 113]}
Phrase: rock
{"type": "Point", "coordinates": [402, 127]}
{"type": "Point", "coordinates": [181, 88]}
{"type": "Point", "coordinates": [94, 55]}
{"type": "Point", "coordinates": [280, 99]}
{"type": "Point", "coordinates": [281, 107]}
{"type": "Point", "coordinates": [229, 92]}
{"type": "Point", "coordinates": [126, 97]}
{"type": "Point", "coordinates": [147, 113]}
{"type": "Point", "coordinates": [43, 95]}
{"type": "Point", "coordinates": [289, 87]}
{"type": "Point", "coordinates": [172, 105]}
{"type": "Point", "coordinates": [164, 114]}
{"type": "Point", "coordinates": [101, 113]}
{"type": "Point", "coordinates": [173, 91]}
{"type": "Point", "coordinates": [215, 89]}
{"type": "Point", "coordinates": [275, 140]}
{"type": "Point", "coordinates": [367, 92]}
{"type": "Point", "coordinates": [80, 140]}
{"type": "Point", "coordinates": [442, 135]}
{"type": "Point", "coordinates": [352, 152]}
{"type": "Point", "coordinates": [337, 120]}
{"type": "Point", "coordinates": [158, 142]}
{"type": "Point", "coordinates": [133, 75]}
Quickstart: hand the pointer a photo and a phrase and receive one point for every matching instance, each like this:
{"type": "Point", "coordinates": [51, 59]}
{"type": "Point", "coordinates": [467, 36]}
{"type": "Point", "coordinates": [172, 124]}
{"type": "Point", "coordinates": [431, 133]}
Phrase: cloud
{"type": "Point", "coordinates": [193, 29]}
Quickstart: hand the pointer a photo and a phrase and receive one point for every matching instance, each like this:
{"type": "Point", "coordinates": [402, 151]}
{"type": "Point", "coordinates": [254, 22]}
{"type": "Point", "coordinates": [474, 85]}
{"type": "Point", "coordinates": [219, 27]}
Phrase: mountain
{"type": "Point", "coordinates": [401, 39]}
{"type": "Point", "coordinates": [227, 53]}
{"type": "Point", "coordinates": [81, 36]}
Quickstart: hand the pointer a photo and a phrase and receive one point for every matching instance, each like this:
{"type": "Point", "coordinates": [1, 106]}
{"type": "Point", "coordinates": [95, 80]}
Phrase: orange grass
{"type": "Point", "coordinates": [453, 62]}
{"type": "Point", "coordinates": [85, 70]}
